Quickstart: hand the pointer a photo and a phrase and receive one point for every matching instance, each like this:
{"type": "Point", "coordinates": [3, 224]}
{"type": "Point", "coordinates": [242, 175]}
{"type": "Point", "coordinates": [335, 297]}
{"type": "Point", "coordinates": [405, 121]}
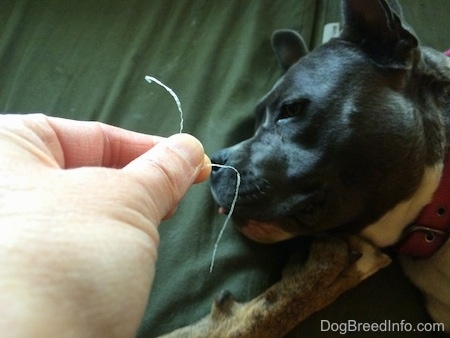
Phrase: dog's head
{"type": "Point", "coordinates": [341, 138]}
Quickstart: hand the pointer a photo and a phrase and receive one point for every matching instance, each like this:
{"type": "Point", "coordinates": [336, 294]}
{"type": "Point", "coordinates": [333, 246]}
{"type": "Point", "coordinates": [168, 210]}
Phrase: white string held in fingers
{"type": "Point", "coordinates": [230, 213]}
{"type": "Point", "coordinates": [151, 79]}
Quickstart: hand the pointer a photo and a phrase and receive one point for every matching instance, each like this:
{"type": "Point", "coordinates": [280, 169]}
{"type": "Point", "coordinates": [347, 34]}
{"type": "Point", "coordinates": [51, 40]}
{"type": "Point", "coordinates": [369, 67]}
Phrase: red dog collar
{"type": "Point", "coordinates": [431, 229]}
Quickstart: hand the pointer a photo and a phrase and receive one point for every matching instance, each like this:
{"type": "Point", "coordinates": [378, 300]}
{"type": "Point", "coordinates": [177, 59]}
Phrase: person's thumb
{"type": "Point", "coordinates": [166, 172]}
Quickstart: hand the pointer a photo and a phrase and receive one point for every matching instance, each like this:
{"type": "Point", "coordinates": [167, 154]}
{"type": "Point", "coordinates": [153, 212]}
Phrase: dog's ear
{"type": "Point", "coordinates": [377, 27]}
{"type": "Point", "coordinates": [289, 47]}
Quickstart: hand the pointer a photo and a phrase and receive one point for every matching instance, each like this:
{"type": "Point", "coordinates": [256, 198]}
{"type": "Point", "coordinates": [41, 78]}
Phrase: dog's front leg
{"type": "Point", "coordinates": [333, 267]}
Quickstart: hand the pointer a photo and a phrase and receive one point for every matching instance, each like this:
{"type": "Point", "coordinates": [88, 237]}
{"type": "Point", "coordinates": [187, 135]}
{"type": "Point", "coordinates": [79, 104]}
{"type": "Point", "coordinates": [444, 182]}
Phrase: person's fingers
{"type": "Point", "coordinates": [87, 143]}
{"type": "Point", "coordinates": [99, 144]}
{"type": "Point", "coordinates": [170, 214]}
{"type": "Point", "coordinates": [205, 171]}
{"type": "Point", "coordinates": [167, 171]}
{"type": "Point", "coordinates": [78, 143]}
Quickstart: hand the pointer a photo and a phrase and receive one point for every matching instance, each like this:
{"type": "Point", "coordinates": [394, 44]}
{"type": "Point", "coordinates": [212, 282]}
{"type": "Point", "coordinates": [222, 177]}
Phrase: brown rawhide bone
{"type": "Point", "coordinates": [333, 266]}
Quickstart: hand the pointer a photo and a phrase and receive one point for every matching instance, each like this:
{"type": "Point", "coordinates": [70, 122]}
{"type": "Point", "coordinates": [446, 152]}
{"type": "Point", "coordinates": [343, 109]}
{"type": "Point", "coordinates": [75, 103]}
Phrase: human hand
{"type": "Point", "coordinates": [80, 203]}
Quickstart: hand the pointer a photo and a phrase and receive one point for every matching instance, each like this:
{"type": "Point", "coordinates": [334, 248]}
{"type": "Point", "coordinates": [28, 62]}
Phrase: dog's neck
{"type": "Point", "coordinates": [389, 228]}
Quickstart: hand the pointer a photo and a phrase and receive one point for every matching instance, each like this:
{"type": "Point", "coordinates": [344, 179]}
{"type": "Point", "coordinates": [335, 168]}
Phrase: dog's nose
{"type": "Point", "coordinates": [219, 157]}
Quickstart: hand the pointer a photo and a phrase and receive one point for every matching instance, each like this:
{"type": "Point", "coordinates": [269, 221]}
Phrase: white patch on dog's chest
{"type": "Point", "coordinates": [388, 229]}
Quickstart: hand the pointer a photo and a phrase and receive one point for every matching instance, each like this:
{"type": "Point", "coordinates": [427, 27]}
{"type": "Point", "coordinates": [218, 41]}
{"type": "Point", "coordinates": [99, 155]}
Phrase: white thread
{"type": "Point", "coordinates": [151, 79]}
{"type": "Point", "coordinates": [230, 213]}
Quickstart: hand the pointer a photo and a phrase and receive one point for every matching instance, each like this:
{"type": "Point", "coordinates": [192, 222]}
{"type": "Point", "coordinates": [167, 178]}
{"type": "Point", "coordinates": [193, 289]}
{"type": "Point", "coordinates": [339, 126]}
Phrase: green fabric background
{"type": "Point", "coordinates": [87, 60]}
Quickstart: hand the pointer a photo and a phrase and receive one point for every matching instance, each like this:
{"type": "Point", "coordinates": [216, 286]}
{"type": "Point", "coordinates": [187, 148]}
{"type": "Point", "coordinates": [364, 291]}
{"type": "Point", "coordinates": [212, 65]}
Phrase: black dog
{"type": "Point", "coordinates": [351, 139]}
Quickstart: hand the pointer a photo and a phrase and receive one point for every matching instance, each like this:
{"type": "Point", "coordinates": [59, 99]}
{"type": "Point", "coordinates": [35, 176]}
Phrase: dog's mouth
{"type": "Point", "coordinates": [261, 232]}
{"type": "Point", "coordinates": [280, 229]}
{"type": "Point", "coordinates": [265, 232]}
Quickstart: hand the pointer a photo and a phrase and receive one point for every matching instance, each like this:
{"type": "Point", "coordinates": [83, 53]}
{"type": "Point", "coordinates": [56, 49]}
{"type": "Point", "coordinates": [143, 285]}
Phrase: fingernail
{"type": "Point", "coordinates": [205, 170]}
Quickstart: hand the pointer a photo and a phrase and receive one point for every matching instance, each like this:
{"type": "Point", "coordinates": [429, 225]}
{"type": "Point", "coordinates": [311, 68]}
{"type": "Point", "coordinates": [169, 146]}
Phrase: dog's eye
{"type": "Point", "coordinates": [292, 109]}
